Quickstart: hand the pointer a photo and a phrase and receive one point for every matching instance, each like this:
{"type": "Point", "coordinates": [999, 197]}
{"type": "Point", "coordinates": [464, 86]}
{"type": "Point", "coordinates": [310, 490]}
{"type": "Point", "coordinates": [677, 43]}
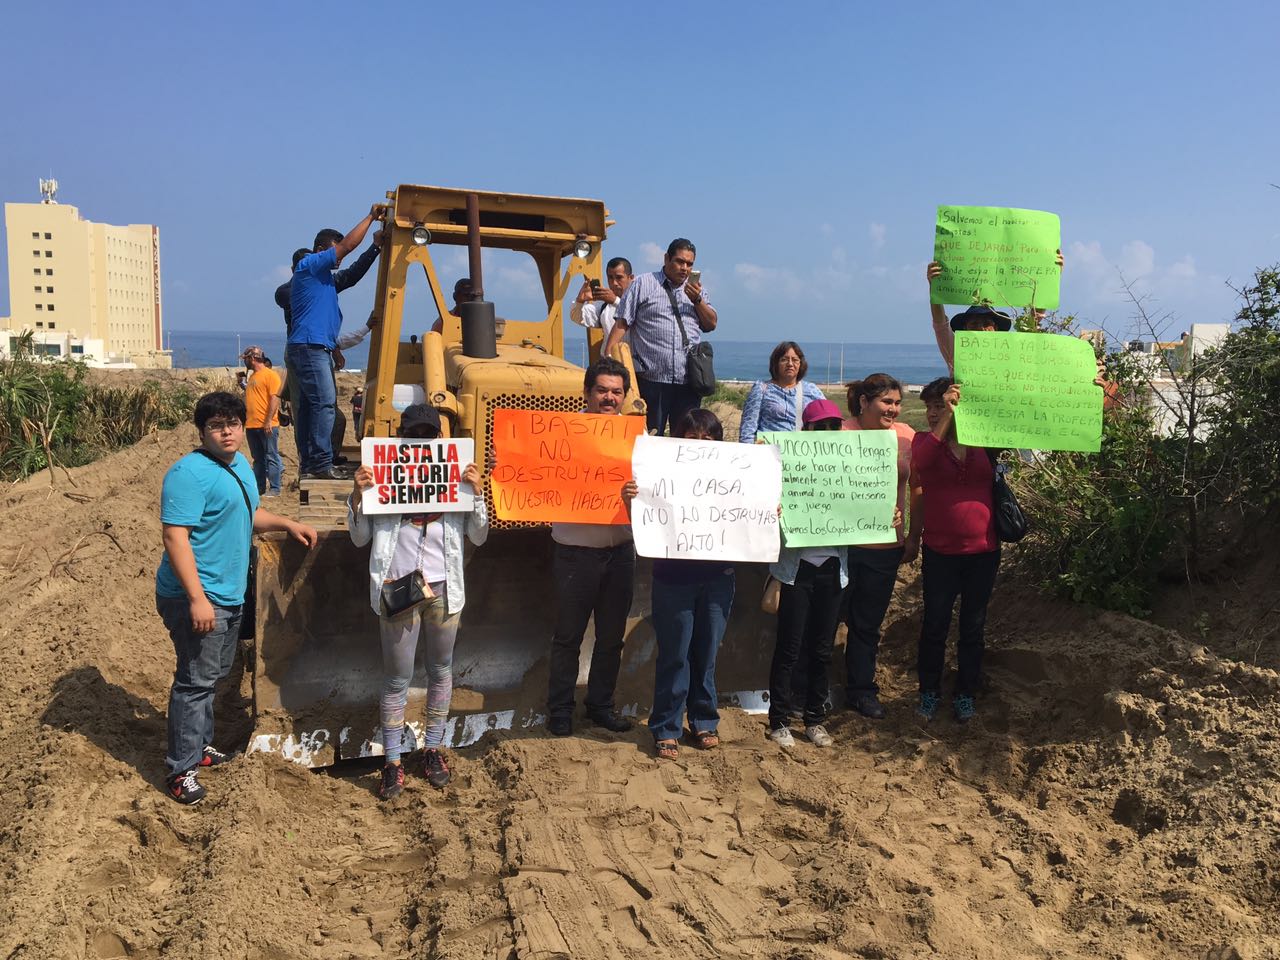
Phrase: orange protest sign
{"type": "Point", "coordinates": [552, 467]}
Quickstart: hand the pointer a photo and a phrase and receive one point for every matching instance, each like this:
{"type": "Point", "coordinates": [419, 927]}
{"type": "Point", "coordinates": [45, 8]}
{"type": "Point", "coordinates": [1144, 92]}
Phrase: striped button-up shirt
{"type": "Point", "coordinates": [656, 345]}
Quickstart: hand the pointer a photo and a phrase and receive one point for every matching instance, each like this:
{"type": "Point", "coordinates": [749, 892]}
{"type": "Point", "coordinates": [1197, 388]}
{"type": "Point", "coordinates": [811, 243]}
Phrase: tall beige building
{"type": "Point", "coordinates": [92, 282]}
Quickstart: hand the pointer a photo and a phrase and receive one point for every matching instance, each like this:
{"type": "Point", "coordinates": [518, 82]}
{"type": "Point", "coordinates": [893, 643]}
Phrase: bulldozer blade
{"type": "Point", "coordinates": [317, 670]}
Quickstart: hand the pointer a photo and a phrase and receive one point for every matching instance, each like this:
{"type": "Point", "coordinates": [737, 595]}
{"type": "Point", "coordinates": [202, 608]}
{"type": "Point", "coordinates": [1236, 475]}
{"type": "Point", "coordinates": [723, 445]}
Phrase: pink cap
{"type": "Point", "coordinates": [822, 409]}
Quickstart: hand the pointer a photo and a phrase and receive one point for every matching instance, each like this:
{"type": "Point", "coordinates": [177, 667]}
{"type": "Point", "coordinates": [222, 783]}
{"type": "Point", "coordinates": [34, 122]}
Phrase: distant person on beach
{"type": "Point", "coordinates": [209, 509]}
{"type": "Point", "coordinates": [595, 305]}
{"type": "Point", "coordinates": [692, 600]}
{"type": "Point", "coordinates": [593, 568]}
{"type": "Point", "coordinates": [663, 314]}
{"type": "Point", "coordinates": [978, 317]}
{"type": "Point", "coordinates": [778, 403]}
{"type": "Point", "coordinates": [812, 579]}
{"type": "Point", "coordinates": [874, 404]}
{"type": "Point", "coordinates": [953, 524]}
{"type": "Point", "coordinates": [432, 544]}
{"type": "Point", "coordinates": [313, 336]}
{"type": "Point", "coordinates": [262, 421]}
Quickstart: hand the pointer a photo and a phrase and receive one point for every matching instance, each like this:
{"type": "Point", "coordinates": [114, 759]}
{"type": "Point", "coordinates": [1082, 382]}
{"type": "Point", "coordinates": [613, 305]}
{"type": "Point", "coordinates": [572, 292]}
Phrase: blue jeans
{"type": "Point", "coordinates": [203, 660]}
{"type": "Point", "coordinates": [689, 619]}
{"type": "Point", "coordinates": [264, 444]}
{"type": "Point", "coordinates": [317, 403]}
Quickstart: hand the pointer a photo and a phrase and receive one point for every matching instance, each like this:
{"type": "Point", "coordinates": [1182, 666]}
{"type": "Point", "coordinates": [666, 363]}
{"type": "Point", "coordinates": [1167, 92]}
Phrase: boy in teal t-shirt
{"type": "Point", "coordinates": [209, 508]}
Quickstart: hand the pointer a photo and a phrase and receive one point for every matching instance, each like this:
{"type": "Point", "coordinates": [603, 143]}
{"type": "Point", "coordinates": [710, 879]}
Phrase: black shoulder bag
{"type": "Point", "coordinates": [249, 606]}
{"type": "Point", "coordinates": [699, 374]}
{"type": "Point", "coordinates": [1011, 522]}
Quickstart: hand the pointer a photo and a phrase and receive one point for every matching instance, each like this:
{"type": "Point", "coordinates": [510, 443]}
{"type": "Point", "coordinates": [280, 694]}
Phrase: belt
{"type": "Point", "coordinates": [320, 346]}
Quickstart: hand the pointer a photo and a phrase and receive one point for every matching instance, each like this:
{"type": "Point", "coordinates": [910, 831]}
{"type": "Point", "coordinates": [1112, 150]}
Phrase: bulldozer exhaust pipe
{"type": "Point", "coordinates": [479, 322]}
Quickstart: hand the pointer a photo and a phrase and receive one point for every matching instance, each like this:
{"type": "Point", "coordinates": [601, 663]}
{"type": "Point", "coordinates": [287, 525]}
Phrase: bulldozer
{"type": "Point", "coordinates": [316, 664]}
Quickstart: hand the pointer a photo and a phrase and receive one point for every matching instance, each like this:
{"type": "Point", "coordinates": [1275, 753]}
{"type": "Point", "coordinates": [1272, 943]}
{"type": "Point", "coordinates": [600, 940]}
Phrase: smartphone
{"type": "Point", "coordinates": [595, 284]}
{"type": "Point", "coordinates": [695, 276]}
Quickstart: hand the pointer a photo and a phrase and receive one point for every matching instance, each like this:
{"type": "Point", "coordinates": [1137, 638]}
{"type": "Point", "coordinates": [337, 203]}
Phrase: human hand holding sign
{"type": "Point", "coordinates": [471, 475]}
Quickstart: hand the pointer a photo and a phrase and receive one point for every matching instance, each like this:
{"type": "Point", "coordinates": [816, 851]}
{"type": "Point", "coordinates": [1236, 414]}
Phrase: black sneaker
{"type": "Point", "coordinates": [869, 705]}
{"type": "Point", "coordinates": [559, 726]}
{"type": "Point", "coordinates": [185, 788]}
{"type": "Point", "coordinates": [611, 721]}
{"type": "Point", "coordinates": [392, 781]}
{"type": "Point", "coordinates": [214, 758]}
{"type": "Point", "coordinates": [435, 769]}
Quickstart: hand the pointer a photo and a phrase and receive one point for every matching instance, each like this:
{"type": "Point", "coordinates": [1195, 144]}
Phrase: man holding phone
{"type": "Point", "coordinates": [665, 313]}
{"type": "Point", "coordinates": [597, 304]}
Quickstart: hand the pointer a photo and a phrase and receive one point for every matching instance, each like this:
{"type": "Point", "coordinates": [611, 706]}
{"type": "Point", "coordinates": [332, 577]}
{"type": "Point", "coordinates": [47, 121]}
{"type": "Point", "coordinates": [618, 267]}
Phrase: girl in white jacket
{"type": "Point", "coordinates": [431, 543]}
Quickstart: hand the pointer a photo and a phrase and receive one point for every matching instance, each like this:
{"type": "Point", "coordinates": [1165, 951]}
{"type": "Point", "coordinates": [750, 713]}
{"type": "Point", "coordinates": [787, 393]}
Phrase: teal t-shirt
{"type": "Point", "coordinates": [200, 494]}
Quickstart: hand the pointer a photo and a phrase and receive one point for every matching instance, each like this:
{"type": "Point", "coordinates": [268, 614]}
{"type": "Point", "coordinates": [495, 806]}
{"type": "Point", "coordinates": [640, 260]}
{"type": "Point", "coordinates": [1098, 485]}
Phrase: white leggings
{"type": "Point", "coordinates": [399, 646]}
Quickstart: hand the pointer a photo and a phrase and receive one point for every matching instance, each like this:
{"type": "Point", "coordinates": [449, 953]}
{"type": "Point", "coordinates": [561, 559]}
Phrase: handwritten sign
{"type": "Point", "coordinates": [838, 487]}
{"type": "Point", "coordinates": [1030, 391]}
{"type": "Point", "coordinates": [417, 476]}
{"type": "Point", "coordinates": [706, 499]}
{"type": "Point", "coordinates": [553, 467]}
{"type": "Point", "coordinates": [997, 255]}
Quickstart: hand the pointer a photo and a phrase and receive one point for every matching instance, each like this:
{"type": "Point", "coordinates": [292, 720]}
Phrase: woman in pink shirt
{"type": "Point", "coordinates": [952, 501]}
{"type": "Point", "coordinates": [874, 404]}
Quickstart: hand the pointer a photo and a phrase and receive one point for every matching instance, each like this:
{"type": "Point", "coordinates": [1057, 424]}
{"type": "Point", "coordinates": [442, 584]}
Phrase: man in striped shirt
{"type": "Point", "coordinates": [652, 312]}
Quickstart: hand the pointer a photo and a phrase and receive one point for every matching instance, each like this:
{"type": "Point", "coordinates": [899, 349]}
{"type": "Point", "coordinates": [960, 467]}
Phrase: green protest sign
{"type": "Point", "coordinates": [1030, 391]}
{"type": "Point", "coordinates": [997, 255]}
{"type": "Point", "coordinates": [838, 487]}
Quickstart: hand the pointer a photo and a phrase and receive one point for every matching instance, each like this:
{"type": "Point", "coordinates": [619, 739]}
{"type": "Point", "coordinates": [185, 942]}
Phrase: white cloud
{"type": "Point", "coordinates": [651, 255]}
{"type": "Point", "coordinates": [276, 276]}
{"type": "Point", "coordinates": [877, 233]}
{"type": "Point", "coordinates": [764, 281]}
{"type": "Point", "coordinates": [519, 281]}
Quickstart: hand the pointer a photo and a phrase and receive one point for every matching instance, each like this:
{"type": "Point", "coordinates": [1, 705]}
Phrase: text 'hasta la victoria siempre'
{"type": "Point", "coordinates": [416, 476]}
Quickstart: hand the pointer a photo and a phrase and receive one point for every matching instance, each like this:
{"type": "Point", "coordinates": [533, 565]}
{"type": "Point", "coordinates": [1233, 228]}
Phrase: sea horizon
{"type": "Point", "coordinates": [735, 360]}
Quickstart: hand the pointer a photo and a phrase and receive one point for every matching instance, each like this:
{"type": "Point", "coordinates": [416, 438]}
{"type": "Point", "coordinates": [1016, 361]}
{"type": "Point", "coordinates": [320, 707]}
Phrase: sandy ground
{"type": "Point", "coordinates": [1118, 797]}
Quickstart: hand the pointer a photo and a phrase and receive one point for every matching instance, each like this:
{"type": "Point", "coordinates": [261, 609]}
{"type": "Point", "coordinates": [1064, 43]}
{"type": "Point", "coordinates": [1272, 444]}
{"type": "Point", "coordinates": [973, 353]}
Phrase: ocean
{"type": "Point", "coordinates": [911, 363]}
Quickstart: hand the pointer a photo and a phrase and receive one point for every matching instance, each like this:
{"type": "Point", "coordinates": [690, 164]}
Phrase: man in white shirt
{"type": "Point", "coordinates": [594, 570]}
{"type": "Point", "coordinates": [596, 305]}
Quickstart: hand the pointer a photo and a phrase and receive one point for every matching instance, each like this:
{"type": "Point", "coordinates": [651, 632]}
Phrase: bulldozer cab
{"type": "Point", "coordinates": [317, 669]}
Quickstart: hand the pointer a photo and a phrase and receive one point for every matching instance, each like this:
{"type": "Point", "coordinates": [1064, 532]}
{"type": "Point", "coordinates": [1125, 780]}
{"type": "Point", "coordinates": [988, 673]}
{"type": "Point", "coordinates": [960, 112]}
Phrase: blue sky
{"type": "Point", "coordinates": [803, 147]}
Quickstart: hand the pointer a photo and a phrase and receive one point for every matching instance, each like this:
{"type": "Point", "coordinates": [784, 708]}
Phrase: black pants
{"type": "Point", "coordinates": [808, 611]}
{"type": "Point", "coordinates": [666, 403]}
{"type": "Point", "coordinates": [589, 581]}
{"type": "Point", "coordinates": [971, 577]}
{"type": "Point", "coordinates": [872, 575]}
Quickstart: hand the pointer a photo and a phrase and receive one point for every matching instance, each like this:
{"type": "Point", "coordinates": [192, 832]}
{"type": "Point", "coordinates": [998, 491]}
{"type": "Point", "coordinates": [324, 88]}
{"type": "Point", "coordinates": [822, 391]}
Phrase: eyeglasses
{"type": "Point", "coordinates": [223, 426]}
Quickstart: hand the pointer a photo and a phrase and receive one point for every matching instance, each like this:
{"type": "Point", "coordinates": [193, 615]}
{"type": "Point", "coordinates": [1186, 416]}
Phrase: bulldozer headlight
{"type": "Point", "coordinates": [421, 235]}
{"type": "Point", "coordinates": [582, 249]}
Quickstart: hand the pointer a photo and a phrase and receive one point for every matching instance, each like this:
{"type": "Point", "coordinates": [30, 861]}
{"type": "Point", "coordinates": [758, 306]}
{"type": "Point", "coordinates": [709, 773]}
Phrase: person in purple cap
{"type": "Point", "coordinates": [813, 580]}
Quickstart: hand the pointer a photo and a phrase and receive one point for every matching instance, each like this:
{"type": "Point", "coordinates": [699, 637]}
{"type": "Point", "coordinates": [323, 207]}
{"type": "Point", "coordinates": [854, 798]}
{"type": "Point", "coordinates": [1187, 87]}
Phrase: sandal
{"type": "Point", "coordinates": [705, 739]}
{"type": "Point", "coordinates": [666, 749]}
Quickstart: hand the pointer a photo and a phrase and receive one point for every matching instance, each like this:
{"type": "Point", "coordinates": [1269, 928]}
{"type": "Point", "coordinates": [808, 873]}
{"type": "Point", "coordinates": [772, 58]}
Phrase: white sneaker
{"type": "Point", "coordinates": [818, 735]}
{"type": "Point", "coordinates": [782, 737]}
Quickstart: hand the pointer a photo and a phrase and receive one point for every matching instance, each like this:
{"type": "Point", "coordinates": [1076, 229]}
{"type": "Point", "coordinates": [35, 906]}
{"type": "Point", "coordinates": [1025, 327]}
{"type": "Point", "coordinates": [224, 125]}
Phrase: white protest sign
{"type": "Point", "coordinates": [417, 476]}
{"type": "Point", "coordinates": [706, 499]}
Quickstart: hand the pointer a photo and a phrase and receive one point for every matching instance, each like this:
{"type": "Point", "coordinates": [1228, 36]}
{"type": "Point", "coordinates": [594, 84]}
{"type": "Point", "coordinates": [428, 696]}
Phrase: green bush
{"type": "Point", "coordinates": [51, 411]}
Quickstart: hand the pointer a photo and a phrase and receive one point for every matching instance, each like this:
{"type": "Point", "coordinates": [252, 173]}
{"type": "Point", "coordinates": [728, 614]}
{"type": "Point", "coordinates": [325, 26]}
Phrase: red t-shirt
{"type": "Point", "coordinates": [958, 506]}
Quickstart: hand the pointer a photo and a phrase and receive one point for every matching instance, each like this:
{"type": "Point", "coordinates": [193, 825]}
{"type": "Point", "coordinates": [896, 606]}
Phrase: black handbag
{"type": "Point", "coordinates": [249, 606]}
{"type": "Point", "coordinates": [1011, 522]}
{"type": "Point", "coordinates": [405, 593]}
{"type": "Point", "coordinates": [699, 371]}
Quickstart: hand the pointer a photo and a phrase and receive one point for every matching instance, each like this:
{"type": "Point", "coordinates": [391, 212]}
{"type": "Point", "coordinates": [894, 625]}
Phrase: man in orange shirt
{"type": "Point", "coordinates": [262, 422]}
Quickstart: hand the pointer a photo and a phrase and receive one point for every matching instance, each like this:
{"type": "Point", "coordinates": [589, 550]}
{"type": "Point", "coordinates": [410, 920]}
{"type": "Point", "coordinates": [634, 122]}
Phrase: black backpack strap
{"type": "Point", "coordinates": [675, 308]}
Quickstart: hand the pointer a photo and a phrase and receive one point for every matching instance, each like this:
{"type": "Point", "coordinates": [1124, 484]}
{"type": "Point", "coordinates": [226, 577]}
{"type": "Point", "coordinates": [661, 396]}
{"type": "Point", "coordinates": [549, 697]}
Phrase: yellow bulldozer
{"type": "Point", "coordinates": [317, 664]}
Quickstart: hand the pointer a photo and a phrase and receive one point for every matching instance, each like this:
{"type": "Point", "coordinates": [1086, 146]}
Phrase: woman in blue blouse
{"type": "Point", "coordinates": [777, 403]}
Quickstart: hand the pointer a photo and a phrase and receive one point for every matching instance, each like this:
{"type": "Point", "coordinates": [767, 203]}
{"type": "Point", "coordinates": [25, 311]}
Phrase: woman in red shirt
{"type": "Point", "coordinates": [874, 404]}
{"type": "Point", "coordinates": [952, 494]}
